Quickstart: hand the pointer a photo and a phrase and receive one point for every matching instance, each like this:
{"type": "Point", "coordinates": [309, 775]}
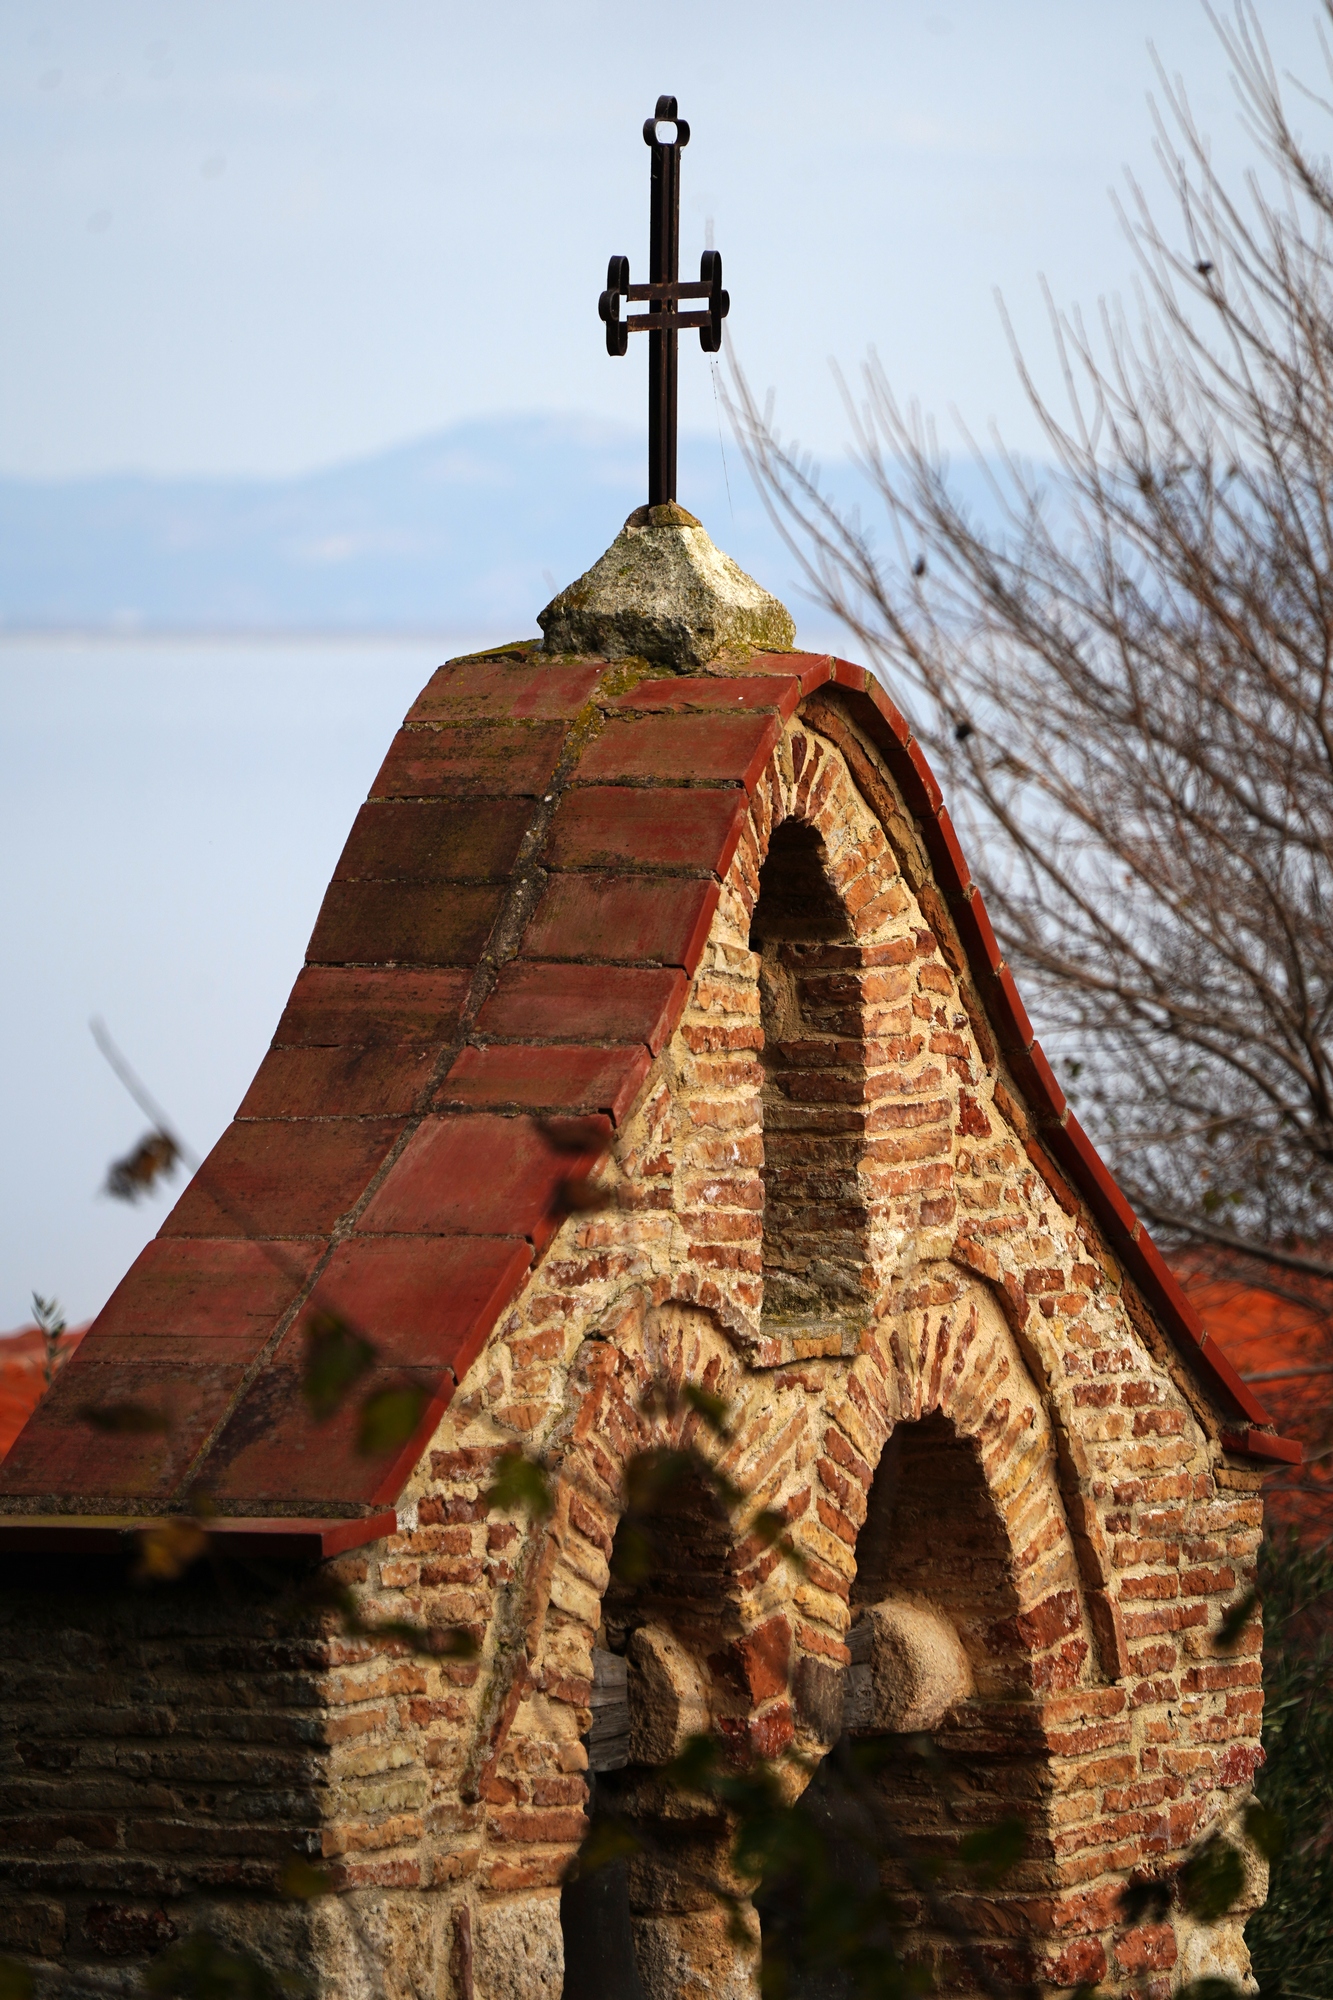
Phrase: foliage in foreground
{"type": "Point", "coordinates": [1291, 1938]}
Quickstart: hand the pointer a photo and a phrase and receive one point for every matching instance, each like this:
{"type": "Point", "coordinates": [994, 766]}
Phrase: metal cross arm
{"type": "Point", "coordinates": [663, 294]}
{"type": "Point", "coordinates": [709, 287]}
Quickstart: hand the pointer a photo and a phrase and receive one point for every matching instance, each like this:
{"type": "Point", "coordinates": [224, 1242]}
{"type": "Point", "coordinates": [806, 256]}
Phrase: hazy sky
{"type": "Point", "coordinates": [243, 237]}
{"type": "Point", "coordinates": [261, 235]}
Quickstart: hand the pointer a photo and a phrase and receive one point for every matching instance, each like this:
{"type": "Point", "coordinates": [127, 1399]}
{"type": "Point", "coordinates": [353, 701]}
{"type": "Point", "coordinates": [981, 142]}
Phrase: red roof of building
{"type": "Point", "coordinates": [398, 1015]}
{"type": "Point", "coordinates": [23, 1376]}
{"type": "Point", "coordinates": [1280, 1336]}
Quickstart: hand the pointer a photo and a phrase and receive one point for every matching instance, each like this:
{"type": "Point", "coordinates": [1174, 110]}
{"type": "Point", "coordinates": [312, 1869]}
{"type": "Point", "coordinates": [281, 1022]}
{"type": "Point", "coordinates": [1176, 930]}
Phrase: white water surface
{"type": "Point", "coordinates": [170, 813]}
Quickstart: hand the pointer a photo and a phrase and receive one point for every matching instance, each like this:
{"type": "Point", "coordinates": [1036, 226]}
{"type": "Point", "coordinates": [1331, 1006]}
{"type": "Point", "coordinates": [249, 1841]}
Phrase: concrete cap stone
{"type": "Point", "coordinates": [664, 592]}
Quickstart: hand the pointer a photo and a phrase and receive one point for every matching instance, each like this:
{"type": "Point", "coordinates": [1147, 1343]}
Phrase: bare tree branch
{"type": "Point", "coordinates": [1125, 677]}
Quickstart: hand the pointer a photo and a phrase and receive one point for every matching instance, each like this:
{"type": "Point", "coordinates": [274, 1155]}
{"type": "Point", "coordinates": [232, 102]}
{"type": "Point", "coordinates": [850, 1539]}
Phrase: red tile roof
{"type": "Point", "coordinates": [1280, 1336]}
{"type": "Point", "coordinates": [23, 1376]}
{"type": "Point", "coordinates": [204, 1325]}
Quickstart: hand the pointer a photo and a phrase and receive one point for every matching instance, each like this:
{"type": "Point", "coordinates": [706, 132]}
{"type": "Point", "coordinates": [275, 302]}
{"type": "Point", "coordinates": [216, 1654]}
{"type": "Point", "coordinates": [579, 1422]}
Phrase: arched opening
{"type": "Point", "coordinates": [934, 1570]}
{"type": "Point", "coordinates": [816, 1225]}
{"type": "Point", "coordinates": [668, 1615]}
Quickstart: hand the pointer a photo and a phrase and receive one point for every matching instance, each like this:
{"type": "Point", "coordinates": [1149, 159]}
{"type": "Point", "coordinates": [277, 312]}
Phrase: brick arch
{"type": "Point", "coordinates": [949, 1355]}
{"type": "Point", "coordinates": [948, 1491]}
{"type": "Point", "coordinates": [717, 1591]}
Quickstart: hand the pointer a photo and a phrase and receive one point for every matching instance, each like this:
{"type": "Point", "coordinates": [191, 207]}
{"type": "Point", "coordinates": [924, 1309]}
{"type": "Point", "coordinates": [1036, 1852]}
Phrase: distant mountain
{"type": "Point", "coordinates": [476, 526]}
{"type": "Point", "coordinates": [473, 528]}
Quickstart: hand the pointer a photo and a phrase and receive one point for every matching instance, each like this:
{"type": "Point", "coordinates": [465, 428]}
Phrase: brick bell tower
{"type": "Point", "coordinates": [652, 1030]}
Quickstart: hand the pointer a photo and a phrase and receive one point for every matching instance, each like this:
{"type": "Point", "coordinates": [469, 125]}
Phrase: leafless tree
{"type": "Point", "coordinates": [1123, 670]}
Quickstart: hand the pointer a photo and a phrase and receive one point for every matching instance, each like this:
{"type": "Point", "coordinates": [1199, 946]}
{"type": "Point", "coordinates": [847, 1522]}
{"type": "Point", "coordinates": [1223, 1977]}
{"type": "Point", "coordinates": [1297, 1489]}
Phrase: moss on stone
{"type": "Point", "coordinates": [665, 593]}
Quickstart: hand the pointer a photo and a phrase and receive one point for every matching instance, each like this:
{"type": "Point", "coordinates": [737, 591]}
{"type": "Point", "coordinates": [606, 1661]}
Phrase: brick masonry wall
{"type": "Point", "coordinates": [1104, 1531]}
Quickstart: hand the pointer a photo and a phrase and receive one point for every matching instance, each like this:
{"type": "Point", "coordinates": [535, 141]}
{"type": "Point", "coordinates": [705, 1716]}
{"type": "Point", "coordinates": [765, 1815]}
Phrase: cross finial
{"type": "Point", "coordinates": [662, 322]}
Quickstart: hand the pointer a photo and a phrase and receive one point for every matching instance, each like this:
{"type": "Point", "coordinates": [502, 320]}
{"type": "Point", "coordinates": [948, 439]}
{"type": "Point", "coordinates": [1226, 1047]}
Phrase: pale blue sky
{"type": "Point", "coordinates": [266, 234]}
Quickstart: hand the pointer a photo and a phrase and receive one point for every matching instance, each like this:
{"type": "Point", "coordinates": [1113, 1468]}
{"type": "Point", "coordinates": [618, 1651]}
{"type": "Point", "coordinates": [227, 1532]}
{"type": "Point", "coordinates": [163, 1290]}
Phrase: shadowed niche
{"type": "Point", "coordinates": [668, 1615]}
{"type": "Point", "coordinates": [816, 1227]}
{"type": "Point", "coordinates": [933, 1539]}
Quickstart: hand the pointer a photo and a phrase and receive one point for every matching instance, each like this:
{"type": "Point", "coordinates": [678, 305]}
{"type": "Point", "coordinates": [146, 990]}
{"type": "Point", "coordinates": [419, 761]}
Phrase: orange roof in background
{"type": "Point", "coordinates": [23, 1376]}
{"type": "Point", "coordinates": [1282, 1344]}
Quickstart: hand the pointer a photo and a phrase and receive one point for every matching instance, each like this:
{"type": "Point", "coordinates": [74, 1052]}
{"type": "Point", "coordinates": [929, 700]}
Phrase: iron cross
{"type": "Point", "coordinates": [662, 323]}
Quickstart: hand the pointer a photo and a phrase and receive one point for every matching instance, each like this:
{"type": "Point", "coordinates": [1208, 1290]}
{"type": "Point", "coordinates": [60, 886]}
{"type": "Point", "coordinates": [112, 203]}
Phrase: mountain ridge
{"type": "Point", "coordinates": [474, 527]}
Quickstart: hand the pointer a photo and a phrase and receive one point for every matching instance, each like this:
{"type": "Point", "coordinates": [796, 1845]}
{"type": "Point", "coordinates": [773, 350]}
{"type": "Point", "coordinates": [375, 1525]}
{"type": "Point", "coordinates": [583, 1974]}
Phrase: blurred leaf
{"type": "Point", "coordinates": [520, 1482]}
{"type": "Point", "coordinates": [440, 1642]}
{"type": "Point", "coordinates": [713, 1408]}
{"type": "Point", "coordinates": [652, 1476]}
{"type": "Point", "coordinates": [1266, 1829]}
{"type": "Point", "coordinates": [15, 1980]}
{"type": "Point", "coordinates": [336, 1357]}
{"type": "Point", "coordinates": [992, 1851]}
{"type": "Point", "coordinates": [1210, 1989]}
{"type": "Point", "coordinates": [1150, 1899]}
{"type": "Point", "coordinates": [201, 1968]}
{"type": "Point", "coordinates": [302, 1879]}
{"type": "Point", "coordinates": [575, 1135]}
{"type": "Point", "coordinates": [770, 1528]}
{"type": "Point", "coordinates": [607, 1840]}
{"type": "Point", "coordinates": [1237, 1618]}
{"type": "Point", "coordinates": [436, 1642]}
{"type": "Point", "coordinates": [128, 1418]}
{"type": "Point", "coordinates": [632, 1553]}
{"type": "Point", "coordinates": [1212, 1880]}
{"type": "Point", "coordinates": [697, 1766]}
{"type": "Point", "coordinates": [389, 1417]}
{"type": "Point", "coordinates": [51, 1325]}
{"type": "Point", "coordinates": [152, 1159]}
{"type": "Point", "coordinates": [167, 1550]}
{"type": "Point", "coordinates": [580, 1194]}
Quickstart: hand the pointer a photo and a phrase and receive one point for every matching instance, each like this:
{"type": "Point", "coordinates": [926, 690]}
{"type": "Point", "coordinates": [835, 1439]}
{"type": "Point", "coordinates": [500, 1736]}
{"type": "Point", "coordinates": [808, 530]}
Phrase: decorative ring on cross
{"type": "Point", "coordinates": [663, 297]}
{"type": "Point", "coordinates": [665, 114]}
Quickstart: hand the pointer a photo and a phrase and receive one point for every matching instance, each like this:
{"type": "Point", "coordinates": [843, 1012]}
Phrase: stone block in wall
{"type": "Point", "coordinates": [668, 1696]}
{"type": "Point", "coordinates": [519, 1952]}
{"type": "Point", "coordinates": [908, 1668]}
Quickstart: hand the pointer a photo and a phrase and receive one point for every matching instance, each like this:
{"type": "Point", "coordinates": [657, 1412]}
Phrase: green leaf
{"type": "Point", "coordinates": [992, 1851]}
{"type": "Point", "coordinates": [201, 1968]}
{"type": "Point", "coordinates": [697, 1766]}
{"type": "Point", "coordinates": [607, 1840]}
{"type": "Point", "coordinates": [302, 1879]}
{"type": "Point", "coordinates": [389, 1418]}
{"type": "Point", "coordinates": [1237, 1618]}
{"type": "Point", "coordinates": [632, 1553]}
{"type": "Point", "coordinates": [1150, 1899]}
{"type": "Point", "coordinates": [15, 1980]}
{"type": "Point", "coordinates": [1266, 1829]}
{"type": "Point", "coordinates": [520, 1482]}
{"type": "Point", "coordinates": [1212, 1880]}
{"type": "Point", "coordinates": [712, 1408]}
{"type": "Point", "coordinates": [336, 1357]}
{"type": "Point", "coordinates": [127, 1419]}
{"type": "Point", "coordinates": [768, 1526]}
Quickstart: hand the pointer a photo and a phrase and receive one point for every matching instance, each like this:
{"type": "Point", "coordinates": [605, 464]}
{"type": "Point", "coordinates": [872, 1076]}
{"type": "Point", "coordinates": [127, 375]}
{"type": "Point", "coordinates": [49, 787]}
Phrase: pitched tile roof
{"type": "Point", "coordinates": [409, 1170]}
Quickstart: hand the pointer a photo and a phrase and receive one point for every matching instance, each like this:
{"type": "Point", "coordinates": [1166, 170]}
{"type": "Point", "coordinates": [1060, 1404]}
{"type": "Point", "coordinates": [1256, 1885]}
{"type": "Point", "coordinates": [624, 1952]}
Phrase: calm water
{"type": "Point", "coordinates": [172, 810]}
